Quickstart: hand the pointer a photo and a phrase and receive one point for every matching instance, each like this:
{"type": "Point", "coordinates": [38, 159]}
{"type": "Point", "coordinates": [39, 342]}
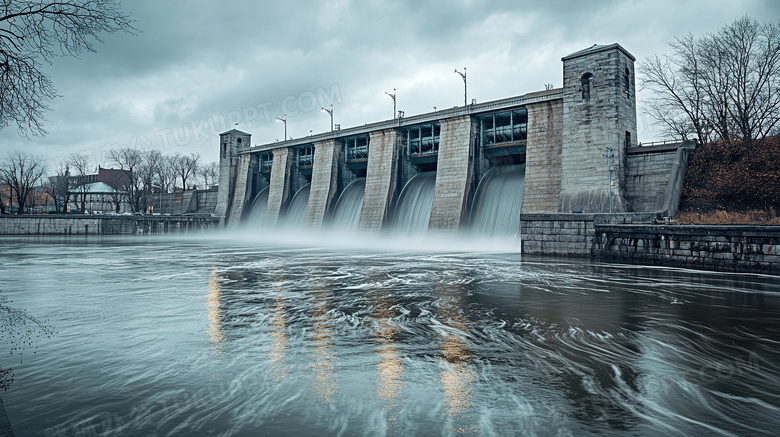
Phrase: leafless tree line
{"type": "Point", "coordinates": [142, 174]}
{"type": "Point", "coordinates": [149, 171]}
{"type": "Point", "coordinates": [722, 86]}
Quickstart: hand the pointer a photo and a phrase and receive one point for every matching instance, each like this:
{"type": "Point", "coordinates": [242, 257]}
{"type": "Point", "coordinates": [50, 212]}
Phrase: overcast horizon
{"type": "Point", "coordinates": [195, 70]}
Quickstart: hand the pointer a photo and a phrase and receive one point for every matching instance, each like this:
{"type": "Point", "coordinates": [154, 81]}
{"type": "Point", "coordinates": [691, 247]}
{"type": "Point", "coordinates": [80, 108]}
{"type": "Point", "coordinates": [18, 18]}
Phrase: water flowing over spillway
{"type": "Point", "coordinates": [497, 202]}
{"type": "Point", "coordinates": [257, 212]}
{"type": "Point", "coordinates": [346, 215]}
{"type": "Point", "coordinates": [294, 216]}
{"type": "Point", "coordinates": [413, 212]}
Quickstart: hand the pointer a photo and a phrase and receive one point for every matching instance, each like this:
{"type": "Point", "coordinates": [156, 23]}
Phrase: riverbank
{"type": "Point", "coordinates": [105, 225]}
{"type": "Point", "coordinates": [617, 237]}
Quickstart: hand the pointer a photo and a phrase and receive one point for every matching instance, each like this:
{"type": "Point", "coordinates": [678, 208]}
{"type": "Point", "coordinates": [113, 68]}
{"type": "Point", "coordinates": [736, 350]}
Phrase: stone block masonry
{"type": "Point", "coordinates": [732, 248]}
{"type": "Point", "coordinates": [454, 172]}
{"type": "Point", "coordinates": [229, 144]}
{"type": "Point", "coordinates": [557, 234]}
{"type": "Point", "coordinates": [242, 191]}
{"type": "Point", "coordinates": [105, 225]}
{"type": "Point", "coordinates": [599, 111]}
{"type": "Point", "coordinates": [324, 183]}
{"type": "Point", "coordinates": [381, 178]}
{"type": "Point", "coordinates": [543, 157]}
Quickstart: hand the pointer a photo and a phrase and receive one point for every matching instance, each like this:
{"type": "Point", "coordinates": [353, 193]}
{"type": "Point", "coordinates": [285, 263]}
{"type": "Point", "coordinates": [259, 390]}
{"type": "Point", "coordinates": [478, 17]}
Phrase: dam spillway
{"type": "Point", "coordinates": [485, 163]}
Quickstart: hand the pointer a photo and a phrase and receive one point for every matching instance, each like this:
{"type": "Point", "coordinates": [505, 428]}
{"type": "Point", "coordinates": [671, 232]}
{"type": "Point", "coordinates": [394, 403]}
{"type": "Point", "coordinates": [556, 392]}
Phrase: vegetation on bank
{"type": "Point", "coordinates": [733, 183]}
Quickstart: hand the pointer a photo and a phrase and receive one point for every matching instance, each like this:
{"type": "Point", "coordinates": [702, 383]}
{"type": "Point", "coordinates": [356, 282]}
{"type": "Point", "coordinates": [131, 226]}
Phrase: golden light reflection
{"type": "Point", "coordinates": [458, 376]}
{"type": "Point", "coordinates": [324, 379]}
{"type": "Point", "coordinates": [214, 309]}
{"type": "Point", "coordinates": [390, 368]}
{"type": "Point", "coordinates": [279, 339]}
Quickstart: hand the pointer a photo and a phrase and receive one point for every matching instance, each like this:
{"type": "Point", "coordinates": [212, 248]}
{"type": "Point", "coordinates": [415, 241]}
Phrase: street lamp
{"type": "Point", "coordinates": [463, 75]}
{"type": "Point", "coordinates": [610, 153]}
{"type": "Point", "coordinates": [392, 96]}
{"type": "Point", "coordinates": [329, 111]}
{"type": "Point", "coordinates": [283, 120]}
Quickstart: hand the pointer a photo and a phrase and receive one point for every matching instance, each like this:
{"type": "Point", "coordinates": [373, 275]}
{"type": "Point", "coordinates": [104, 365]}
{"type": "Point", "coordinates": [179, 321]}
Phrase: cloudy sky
{"type": "Point", "coordinates": [197, 68]}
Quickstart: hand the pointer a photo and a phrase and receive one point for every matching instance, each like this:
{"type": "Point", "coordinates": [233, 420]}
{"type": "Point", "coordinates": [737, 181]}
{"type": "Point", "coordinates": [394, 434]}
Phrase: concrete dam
{"type": "Point", "coordinates": [479, 166]}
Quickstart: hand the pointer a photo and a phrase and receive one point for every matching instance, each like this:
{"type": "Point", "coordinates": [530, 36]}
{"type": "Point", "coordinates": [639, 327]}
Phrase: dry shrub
{"type": "Point", "coordinates": [733, 183]}
{"type": "Point", "coordinates": [768, 217]}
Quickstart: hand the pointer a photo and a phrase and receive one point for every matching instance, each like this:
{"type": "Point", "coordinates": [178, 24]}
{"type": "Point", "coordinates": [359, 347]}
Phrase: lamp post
{"type": "Point", "coordinates": [465, 89]}
{"type": "Point", "coordinates": [609, 155]}
{"type": "Point", "coordinates": [284, 120]}
{"type": "Point", "coordinates": [329, 111]}
{"type": "Point", "coordinates": [392, 96]}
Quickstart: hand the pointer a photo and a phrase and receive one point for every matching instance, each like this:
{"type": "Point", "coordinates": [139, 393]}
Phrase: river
{"type": "Point", "coordinates": [238, 336]}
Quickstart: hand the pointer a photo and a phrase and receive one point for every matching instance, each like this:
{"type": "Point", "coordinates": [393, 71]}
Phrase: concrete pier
{"type": "Point", "coordinates": [324, 183]}
{"type": "Point", "coordinates": [279, 188]}
{"type": "Point", "coordinates": [453, 174]}
{"type": "Point", "coordinates": [381, 179]}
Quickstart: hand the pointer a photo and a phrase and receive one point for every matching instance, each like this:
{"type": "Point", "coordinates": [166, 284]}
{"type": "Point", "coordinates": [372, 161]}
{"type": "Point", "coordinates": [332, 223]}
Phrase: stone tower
{"type": "Point", "coordinates": [229, 144]}
{"type": "Point", "coordinates": [599, 112]}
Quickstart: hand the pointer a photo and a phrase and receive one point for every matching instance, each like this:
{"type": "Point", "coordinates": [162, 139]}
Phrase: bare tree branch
{"type": "Point", "coordinates": [32, 32]}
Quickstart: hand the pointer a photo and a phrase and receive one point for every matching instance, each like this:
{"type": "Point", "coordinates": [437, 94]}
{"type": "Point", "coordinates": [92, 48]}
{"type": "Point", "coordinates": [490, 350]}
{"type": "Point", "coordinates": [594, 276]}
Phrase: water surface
{"type": "Point", "coordinates": [240, 337]}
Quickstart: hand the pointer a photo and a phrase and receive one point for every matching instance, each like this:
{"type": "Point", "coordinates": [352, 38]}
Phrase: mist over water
{"type": "Point", "coordinates": [240, 336]}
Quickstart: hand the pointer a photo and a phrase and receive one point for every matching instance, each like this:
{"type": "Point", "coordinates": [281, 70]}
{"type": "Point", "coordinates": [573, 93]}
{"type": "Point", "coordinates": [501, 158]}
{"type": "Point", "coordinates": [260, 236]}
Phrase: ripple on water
{"type": "Point", "coordinates": [181, 337]}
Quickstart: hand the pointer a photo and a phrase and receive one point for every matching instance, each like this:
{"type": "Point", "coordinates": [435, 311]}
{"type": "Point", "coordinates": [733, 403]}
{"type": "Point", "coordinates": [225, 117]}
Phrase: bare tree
{"type": "Point", "coordinates": [22, 172]}
{"type": "Point", "coordinates": [129, 160]}
{"type": "Point", "coordinates": [118, 181]}
{"type": "Point", "coordinates": [718, 87]}
{"type": "Point", "coordinates": [185, 167]}
{"type": "Point", "coordinates": [81, 167]}
{"type": "Point", "coordinates": [57, 187]}
{"type": "Point", "coordinates": [166, 181]}
{"type": "Point", "coordinates": [5, 194]}
{"type": "Point", "coordinates": [209, 173]}
{"type": "Point", "coordinates": [166, 174]}
{"type": "Point", "coordinates": [35, 31]}
{"type": "Point", "coordinates": [148, 171]}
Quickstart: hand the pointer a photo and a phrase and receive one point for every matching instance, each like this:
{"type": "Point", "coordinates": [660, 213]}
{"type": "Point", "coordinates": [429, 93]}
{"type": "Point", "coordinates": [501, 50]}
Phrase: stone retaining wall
{"type": "Point", "coordinates": [558, 234]}
{"type": "Point", "coordinates": [105, 225]}
{"type": "Point", "coordinates": [734, 248]}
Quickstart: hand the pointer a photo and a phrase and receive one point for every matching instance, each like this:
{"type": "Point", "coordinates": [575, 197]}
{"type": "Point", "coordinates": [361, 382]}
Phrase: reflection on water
{"type": "Point", "coordinates": [177, 337]}
{"type": "Point", "coordinates": [325, 380]}
{"type": "Point", "coordinates": [457, 375]}
{"type": "Point", "coordinates": [279, 339]}
{"type": "Point", "coordinates": [215, 314]}
{"type": "Point", "coordinates": [390, 368]}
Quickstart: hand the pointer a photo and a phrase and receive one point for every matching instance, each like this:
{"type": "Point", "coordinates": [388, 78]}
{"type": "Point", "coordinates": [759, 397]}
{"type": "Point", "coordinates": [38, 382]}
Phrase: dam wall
{"type": "Point", "coordinates": [559, 151]}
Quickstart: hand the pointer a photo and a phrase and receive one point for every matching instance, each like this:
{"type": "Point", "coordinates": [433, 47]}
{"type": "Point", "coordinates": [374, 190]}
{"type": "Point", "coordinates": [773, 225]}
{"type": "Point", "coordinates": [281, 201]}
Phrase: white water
{"type": "Point", "coordinates": [257, 212]}
{"type": "Point", "coordinates": [346, 215]}
{"type": "Point", "coordinates": [497, 202]}
{"type": "Point", "coordinates": [413, 212]}
{"type": "Point", "coordinates": [295, 214]}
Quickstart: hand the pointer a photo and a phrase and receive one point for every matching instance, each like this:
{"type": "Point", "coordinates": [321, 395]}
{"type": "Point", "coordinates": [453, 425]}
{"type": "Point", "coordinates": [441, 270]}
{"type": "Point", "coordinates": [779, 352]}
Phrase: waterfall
{"type": "Point", "coordinates": [346, 215]}
{"type": "Point", "coordinates": [413, 211]}
{"type": "Point", "coordinates": [256, 214]}
{"type": "Point", "coordinates": [496, 210]}
{"type": "Point", "coordinates": [297, 209]}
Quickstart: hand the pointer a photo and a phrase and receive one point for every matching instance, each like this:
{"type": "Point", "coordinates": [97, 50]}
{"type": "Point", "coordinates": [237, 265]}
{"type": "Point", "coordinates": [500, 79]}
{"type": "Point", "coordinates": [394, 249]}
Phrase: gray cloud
{"type": "Point", "coordinates": [196, 64]}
